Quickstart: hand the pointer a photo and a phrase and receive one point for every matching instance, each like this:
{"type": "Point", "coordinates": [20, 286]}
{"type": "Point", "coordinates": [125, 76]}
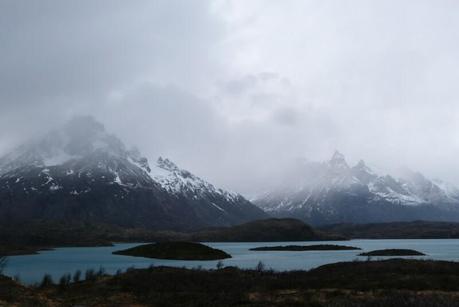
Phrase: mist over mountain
{"type": "Point", "coordinates": [218, 121]}
{"type": "Point", "coordinates": [334, 192]}
{"type": "Point", "coordinates": [220, 88]}
{"type": "Point", "coordinates": [80, 173]}
{"type": "Point", "coordinates": [376, 79]}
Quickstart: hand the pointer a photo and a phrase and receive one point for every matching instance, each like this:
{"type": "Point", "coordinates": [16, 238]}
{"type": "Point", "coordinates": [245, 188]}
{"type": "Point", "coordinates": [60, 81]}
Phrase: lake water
{"type": "Point", "coordinates": [31, 268]}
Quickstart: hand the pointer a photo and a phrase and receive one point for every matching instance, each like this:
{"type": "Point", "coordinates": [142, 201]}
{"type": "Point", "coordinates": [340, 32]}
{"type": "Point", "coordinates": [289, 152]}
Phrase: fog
{"type": "Point", "coordinates": [236, 90]}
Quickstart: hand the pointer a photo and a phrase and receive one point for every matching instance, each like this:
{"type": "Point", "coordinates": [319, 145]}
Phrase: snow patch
{"type": "Point", "coordinates": [179, 181]}
{"type": "Point", "coordinates": [55, 187]}
{"type": "Point", "coordinates": [219, 208]}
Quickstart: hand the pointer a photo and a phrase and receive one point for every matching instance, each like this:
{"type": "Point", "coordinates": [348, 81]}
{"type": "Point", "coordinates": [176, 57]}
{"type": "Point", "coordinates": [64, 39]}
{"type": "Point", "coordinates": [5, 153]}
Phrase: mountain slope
{"type": "Point", "coordinates": [80, 173]}
{"type": "Point", "coordinates": [334, 192]}
{"type": "Point", "coordinates": [208, 202]}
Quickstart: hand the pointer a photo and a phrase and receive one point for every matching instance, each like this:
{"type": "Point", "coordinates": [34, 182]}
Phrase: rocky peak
{"type": "Point", "coordinates": [167, 164]}
{"type": "Point", "coordinates": [338, 161]}
{"type": "Point", "coordinates": [362, 172]}
{"type": "Point", "coordinates": [136, 157]}
{"type": "Point", "coordinates": [361, 166]}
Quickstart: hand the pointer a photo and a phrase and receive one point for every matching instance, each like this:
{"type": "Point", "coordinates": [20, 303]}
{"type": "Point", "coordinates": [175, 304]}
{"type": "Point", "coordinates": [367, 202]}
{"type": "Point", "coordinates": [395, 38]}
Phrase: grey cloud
{"type": "Point", "coordinates": [236, 90]}
{"type": "Point", "coordinates": [286, 116]}
{"type": "Point", "coordinates": [166, 121]}
{"type": "Point", "coordinates": [250, 82]}
{"type": "Point", "coordinates": [59, 58]}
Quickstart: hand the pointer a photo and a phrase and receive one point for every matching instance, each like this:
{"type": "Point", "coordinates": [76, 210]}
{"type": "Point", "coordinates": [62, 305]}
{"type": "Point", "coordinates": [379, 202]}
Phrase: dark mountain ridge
{"type": "Point", "coordinates": [395, 230]}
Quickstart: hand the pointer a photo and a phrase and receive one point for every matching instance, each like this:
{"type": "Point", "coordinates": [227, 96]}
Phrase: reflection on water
{"type": "Point", "coordinates": [31, 268]}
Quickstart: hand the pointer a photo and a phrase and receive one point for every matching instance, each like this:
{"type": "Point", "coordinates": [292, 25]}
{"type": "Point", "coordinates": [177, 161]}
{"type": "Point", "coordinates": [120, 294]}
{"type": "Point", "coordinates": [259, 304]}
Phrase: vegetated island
{"type": "Point", "coordinates": [393, 252]}
{"type": "Point", "coordinates": [29, 238]}
{"type": "Point", "coordinates": [175, 251]}
{"type": "Point", "coordinates": [295, 248]}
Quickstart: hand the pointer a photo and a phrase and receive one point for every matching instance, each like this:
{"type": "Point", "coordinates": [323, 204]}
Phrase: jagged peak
{"type": "Point", "coordinates": [166, 164]}
{"type": "Point", "coordinates": [364, 173]}
{"type": "Point", "coordinates": [362, 166]}
{"type": "Point", "coordinates": [135, 156]}
{"type": "Point", "coordinates": [337, 156]}
{"type": "Point", "coordinates": [177, 181]}
{"type": "Point", "coordinates": [338, 160]}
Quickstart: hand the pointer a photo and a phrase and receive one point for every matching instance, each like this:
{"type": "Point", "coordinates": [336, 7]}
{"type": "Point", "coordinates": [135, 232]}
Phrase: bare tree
{"type": "Point", "coordinates": [260, 267]}
{"type": "Point", "coordinates": [3, 261]}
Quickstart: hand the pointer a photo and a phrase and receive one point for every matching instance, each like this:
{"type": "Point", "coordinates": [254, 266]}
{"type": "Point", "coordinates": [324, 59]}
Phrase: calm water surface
{"type": "Point", "coordinates": [31, 268]}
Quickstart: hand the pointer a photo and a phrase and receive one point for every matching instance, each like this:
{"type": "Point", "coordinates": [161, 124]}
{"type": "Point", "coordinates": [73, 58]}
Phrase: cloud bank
{"type": "Point", "coordinates": [236, 90]}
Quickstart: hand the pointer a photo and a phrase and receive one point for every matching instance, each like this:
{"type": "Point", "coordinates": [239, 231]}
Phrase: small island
{"type": "Point", "coordinates": [393, 252]}
{"type": "Point", "coordinates": [175, 251]}
{"type": "Point", "coordinates": [296, 248]}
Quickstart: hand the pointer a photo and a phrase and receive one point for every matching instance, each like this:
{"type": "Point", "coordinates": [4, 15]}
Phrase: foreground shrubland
{"type": "Point", "coordinates": [393, 282]}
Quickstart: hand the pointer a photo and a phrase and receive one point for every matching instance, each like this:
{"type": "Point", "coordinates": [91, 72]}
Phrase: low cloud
{"type": "Point", "coordinates": [235, 91]}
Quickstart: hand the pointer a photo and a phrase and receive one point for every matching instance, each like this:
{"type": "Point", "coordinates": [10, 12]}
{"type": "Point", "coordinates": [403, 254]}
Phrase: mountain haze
{"type": "Point", "coordinates": [334, 192]}
{"type": "Point", "coordinates": [81, 173]}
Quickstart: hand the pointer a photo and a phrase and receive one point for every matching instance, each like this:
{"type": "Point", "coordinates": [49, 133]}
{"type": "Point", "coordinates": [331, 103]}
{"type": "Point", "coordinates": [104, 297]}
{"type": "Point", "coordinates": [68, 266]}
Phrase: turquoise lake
{"type": "Point", "coordinates": [31, 268]}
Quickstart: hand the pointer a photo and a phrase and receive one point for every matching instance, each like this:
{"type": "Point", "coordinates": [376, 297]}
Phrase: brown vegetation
{"type": "Point", "coordinates": [393, 282]}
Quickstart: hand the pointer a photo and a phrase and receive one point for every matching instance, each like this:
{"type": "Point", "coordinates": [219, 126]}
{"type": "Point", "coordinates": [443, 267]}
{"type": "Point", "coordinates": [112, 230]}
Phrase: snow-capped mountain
{"type": "Point", "coordinates": [333, 192]}
{"type": "Point", "coordinates": [181, 182]}
{"type": "Point", "coordinates": [81, 173]}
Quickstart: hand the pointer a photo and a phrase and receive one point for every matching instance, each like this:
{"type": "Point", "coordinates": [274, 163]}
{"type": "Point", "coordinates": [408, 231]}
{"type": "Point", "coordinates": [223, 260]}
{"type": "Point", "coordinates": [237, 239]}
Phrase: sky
{"type": "Point", "coordinates": [235, 91]}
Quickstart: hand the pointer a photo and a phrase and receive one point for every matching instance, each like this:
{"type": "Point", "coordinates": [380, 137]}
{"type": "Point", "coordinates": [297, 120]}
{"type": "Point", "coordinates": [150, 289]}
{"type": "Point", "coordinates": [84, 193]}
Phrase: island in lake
{"type": "Point", "coordinates": [317, 247]}
{"type": "Point", "coordinates": [175, 251]}
{"type": "Point", "coordinates": [393, 252]}
{"type": "Point", "coordinates": [20, 239]}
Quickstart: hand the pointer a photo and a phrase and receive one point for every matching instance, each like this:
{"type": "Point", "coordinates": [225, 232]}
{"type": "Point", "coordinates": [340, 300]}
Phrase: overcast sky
{"type": "Point", "coordinates": [234, 90]}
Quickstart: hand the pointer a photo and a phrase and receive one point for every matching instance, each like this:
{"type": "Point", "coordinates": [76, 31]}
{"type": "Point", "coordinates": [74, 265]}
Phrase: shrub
{"type": "Point", "coordinates": [100, 272]}
{"type": "Point", "coordinates": [219, 265]}
{"type": "Point", "coordinates": [77, 276]}
{"type": "Point", "coordinates": [130, 269]}
{"type": "Point", "coordinates": [260, 267]}
{"type": "Point", "coordinates": [64, 281]}
{"type": "Point", "coordinates": [3, 261]}
{"type": "Point", "coordinates": [90, 274]}
{"type": "Point", "coordinates": [47, 281]}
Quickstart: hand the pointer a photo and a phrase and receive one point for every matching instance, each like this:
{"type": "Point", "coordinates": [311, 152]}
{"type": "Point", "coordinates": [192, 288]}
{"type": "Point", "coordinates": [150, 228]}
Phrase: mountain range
{"type": "Point", "coordinates": [80, 173]}
{"type": "Point", "coordinates": [334, 192]}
